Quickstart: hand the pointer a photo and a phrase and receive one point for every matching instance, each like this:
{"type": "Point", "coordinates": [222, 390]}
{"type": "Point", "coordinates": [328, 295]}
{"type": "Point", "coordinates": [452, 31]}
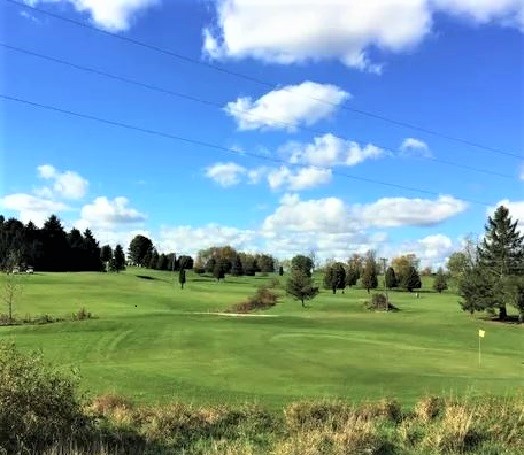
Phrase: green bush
{"type": "Point", "coordinates": [38, 405]}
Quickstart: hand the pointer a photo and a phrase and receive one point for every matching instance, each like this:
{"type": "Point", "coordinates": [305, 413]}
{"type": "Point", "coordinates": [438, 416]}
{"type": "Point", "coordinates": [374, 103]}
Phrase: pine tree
{"type": "Point", "coordinates": [501, 253]}
{"type": "Point", "coordinates": [391, 279]}
{"type": "Point", "coordinates": [281, 271]}
{"type": "Point", "coordinates": [301, 286]}
{"type": "Point", "coordinates": [218, 271]}
{"type": "Point", "coordinates": [182, 277]}
{"type": "Point", "coordinates": [369, 274]}
{"type": "Point", "coordinates": [119, 258]}
{"type": "Point", "coordinates": [412, 280]}
{"type": "Point", "coordinates": [236, 267]}
{"type": "Point", "coordinates": [440, 283]}
{"type": "Point", "coordinates": [210, 265]}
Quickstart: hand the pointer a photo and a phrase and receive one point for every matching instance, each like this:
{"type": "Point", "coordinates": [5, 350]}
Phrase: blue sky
{"type": "Point", "coordinates": [452, 66]}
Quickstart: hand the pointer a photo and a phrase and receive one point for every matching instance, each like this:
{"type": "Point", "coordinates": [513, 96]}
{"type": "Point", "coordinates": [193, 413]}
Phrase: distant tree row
{"type": "Point", "coordinates": [227, 260]}
{"type": "Point", "coordinates": [49, 248]}
{"type": "Point", "coordinates": [142, 253]}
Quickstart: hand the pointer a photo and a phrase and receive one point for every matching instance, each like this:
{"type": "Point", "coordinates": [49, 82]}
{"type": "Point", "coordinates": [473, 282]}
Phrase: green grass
{"type": "Point", "coordinates": [148, 342]}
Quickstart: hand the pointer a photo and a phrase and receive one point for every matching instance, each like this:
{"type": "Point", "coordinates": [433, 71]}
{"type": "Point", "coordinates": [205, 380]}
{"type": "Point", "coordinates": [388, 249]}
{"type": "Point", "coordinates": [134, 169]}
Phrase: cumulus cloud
{"type": "Point", "coordinates": [290, 31]}
{"type": "Point", "coordinates": [31, 208]}
{"type": "Point", "coordinates": [415, 147]}
{"type": "Point", "coordinates": [301, 179]}
{"type": "Point", "coordinates": [112, 15]}
{"type": "Point", "coordinates": [104, 212]}
{"type": "Point", "coordinates": [516, 211]}
{"type": "Point", "coordinates": [329, 150]}
{"type": "Point", "coordinates": [288, 107]}
{"type": "Point", "coordinates": [410, 212]}
{"type": "Point", "coordinates": [67, 184]}
{"type": "Point", "coordinates": [226, 174]}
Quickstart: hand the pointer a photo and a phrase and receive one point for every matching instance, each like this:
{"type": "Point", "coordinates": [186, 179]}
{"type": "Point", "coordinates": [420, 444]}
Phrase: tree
{"type": "Point", "coordinates": [440, 283]}
{"type": "Point", "coordinates": [351, 276]}
{"type": "Point", "coordinates": [335, 277]}
{"type": "Point", "coordinates": [182, 277]}
{"type": "Point", "coordinates": [328, 277]}
{"type": "Point", "coordinates": [301, 286]}
{"type": "Point", "coordinates": [266, 263]}
{"type": "Point", "coordinates": [340, 276]}
{"type": "Point", "coordinates": [456, 264]}
{"type": "Point", "coordinates": [210, 265]}
{"type": "Point", "coordinates": [427, 271]}
{"type": "Point", "coordinates": [501, 253]}
{"type": "Point", "coordinates": [369, 273]}
{"type": "Point", "coordinates": [185, 262]}
{"type": "Point", "coordinates": [236, 267]}
{"type": "Point", "coordinates": [412, 280]}
{"type": "Point", "coordinates": [11, 291]}
{"type": "Point", "coordinates": [303, 263]}
{"type": "Point", "coordinates": [356, 264]}
{"type": "Point", "coordinates": [218, 271]}
{"type": "Point", "coordinates": [281, 271]}
{"type": "Point", "coordinates": [138, 249]}
{"type": "Point", "coordinates": [476, 289]}
{"type": "Point", "coordinates": [391, 279]}
{"type": "Point", "coordinates": [119, 258]}
{"type": "Point", "coordinates": [106, 253]}
{"type": "Point", "coordinates": [401, 265]}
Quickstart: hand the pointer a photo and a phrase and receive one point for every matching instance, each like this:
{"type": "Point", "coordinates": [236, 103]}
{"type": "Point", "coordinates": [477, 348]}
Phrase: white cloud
{"type": "Point", "coordinates": [31, 208]}
{"type": "Point", "coordinates": [516, 211]}
{"type": "Point", "coordinates": [413, 147]}
{"type": "Point", "coordinates": [306, 177]}
{"type": "Point", "coordinates": [107, 213]}
{"type": "Point", "coordinates": [226, 174]}
{"type": "Point", "coordinates": [190, 239]}
{"type": "Point", "coordinates": [113, 15]}
{"type": "Point", "coordinates": [410, 212]}
{"type": "Point", "coordinates": [329, 150]}
{"type": "Point", "coordinates": [288, 107]}
{"type": "Point", "coordinates": [67, 184]}
{"type": "Point", "coordinates": [256, 175]}
{"type": "Point", "coordinates": [290, 31]}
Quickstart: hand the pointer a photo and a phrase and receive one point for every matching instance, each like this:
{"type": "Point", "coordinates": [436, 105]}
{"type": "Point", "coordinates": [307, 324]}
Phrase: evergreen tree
{"type": "Point", "coordinates": [303, 263]}
{"type": "Point", "coordinates": [328, 277]}
{"type": "Point", "coordinates": [351, 276]}
{"type": "Point", "coordinates": [281, 271]}
{"type": "Point", "coordinates": [119, 258]}
{"type": "Point", "coordinates": [391, 279]}
{"type": "Point", "coordinates": [218, 271]}
{"type": "Point", "coordinates": [412, 280]}
{"type": "Point", "coordinates": [106, 253]}
{"type": "Point", "coordinates": [301, 286]}
{"type": "Point", "coordinates": [440, 283]}
{"type": "Point", "coordinates": [501, 253]}
{"type": "Point", "coordinates": [236, 267]}
{"type": "Point", "coordinates": [369, 275]}
{"type": "Point", "coordinates": [182, 277]}
{"type": "Point", "coordinates": [210, 265]}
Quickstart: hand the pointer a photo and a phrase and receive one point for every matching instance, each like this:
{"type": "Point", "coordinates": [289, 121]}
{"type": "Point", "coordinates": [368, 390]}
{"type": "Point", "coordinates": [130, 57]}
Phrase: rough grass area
{"type": "Point", "coordinates": [149, 344]}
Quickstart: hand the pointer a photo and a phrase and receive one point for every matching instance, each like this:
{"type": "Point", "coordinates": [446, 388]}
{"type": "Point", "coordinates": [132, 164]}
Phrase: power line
{"type": "Point", "coordinates": [216, 146]}
{"type": "Point", "coordinates": [262, 82]}
{"type": "Point", "coordinates": [218, 105]}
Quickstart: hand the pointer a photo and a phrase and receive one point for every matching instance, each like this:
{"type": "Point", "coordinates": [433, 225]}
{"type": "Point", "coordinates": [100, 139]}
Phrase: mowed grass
{"type": "Point", "coordinates": [149, 342]}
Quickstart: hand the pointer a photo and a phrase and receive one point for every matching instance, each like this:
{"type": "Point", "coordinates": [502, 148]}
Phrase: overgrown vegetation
{"type": "Point", "coordinates": [41, 412]}
{"type": "Point", "coordinates": [81, 315]}
{"type": "Point", "coordinates": [262, 299]}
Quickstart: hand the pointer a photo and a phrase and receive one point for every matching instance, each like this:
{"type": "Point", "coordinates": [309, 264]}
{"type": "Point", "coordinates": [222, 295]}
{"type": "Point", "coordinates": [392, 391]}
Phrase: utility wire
{"type": "Point", "coordinates": [215, 104]}
{"type": "Point", "coordinates": [262, 82]}
{"type": "Point", "coordinates": [214, 146]}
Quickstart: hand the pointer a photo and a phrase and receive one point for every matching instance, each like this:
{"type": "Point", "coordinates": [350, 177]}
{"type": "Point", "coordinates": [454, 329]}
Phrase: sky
{"type": "Point", "coordinates": [281, 126]}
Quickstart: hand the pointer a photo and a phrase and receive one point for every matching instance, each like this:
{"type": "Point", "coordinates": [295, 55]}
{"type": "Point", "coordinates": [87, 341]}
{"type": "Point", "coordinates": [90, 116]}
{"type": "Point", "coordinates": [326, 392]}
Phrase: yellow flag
{"type": "Point", "coordinates": [482, 333]}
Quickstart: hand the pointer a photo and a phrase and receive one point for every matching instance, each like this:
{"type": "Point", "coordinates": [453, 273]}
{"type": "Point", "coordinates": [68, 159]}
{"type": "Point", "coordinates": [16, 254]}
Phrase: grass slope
{"type": "Point", "coordinates": [149, 343]}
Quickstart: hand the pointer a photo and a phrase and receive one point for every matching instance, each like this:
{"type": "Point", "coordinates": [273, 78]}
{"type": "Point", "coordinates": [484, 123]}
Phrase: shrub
{"type": "Point", "coordinates": [262, 299]}
{"type": "Point", "coordinates": [38, 405]}
{"type": "Point", "coordinates": [378, 302]}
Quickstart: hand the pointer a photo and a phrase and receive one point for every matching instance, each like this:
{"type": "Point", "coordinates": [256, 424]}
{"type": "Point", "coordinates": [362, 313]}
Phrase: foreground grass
{"type": "Point", "coordinates": [151, 342]}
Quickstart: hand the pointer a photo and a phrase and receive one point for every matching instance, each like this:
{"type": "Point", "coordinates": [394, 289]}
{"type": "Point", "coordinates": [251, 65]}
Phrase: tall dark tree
{"type": "Point", "coordinates": [148, 257]}
{"type": "Point", "coordinates": [182, 277]}
{"type": "Point", "coordinates": [138, 249]}
{"type": "Point", "coordinates": [92, 248]}
{"type": "Point", "coordinates": [301, 286]}
{"type": "Point", "coordinates": [210, 265]}
{"type": "Point", "coordinates": [501, 253]}
{"type": "Point", "coordinates": [185, 262]}
{"type": "Point", "coordinates": [369, 275]}
{"type": "Point", "coordinates": [412, 280]}
{"type": "Point", "coordinates": [328, 277]}
{"type": "Point", "coordinates": [218, 271]}
{"type": "Point", "coordinates": [476, 289]}
{"type": "Point", "coordinates": [391, 279]}
{"type": "Point", "coordinates": [106, 254]}
{"type": "Point", "coordinates": [56, 247]}
{"type": "Point", "coordinates": [281, 271]}
{"type": "Point", "coordinates": [119, 258]}
{"type": "Point", "coordinates": [236, 267]}
{"type": "Point", "coordinates": [351, 276]}
{"type": "Point", "coordinates": [440, 283]}
{"type": "Point", "coordinates": [303, 263]}
{"type": "Point", "coordinates": [266, 263]}
{"type": "Point", "coordinates": [155, 257]}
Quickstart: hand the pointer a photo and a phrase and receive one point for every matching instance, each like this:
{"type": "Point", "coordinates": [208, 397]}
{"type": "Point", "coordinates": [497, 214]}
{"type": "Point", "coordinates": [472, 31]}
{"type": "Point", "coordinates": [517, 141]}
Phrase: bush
{"type": "Point", "coordinates": [378, 302]}
{"type": "Point", "coordinates": [38, 405]}
{"type": "Point", "coordinates": [262, 299]}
